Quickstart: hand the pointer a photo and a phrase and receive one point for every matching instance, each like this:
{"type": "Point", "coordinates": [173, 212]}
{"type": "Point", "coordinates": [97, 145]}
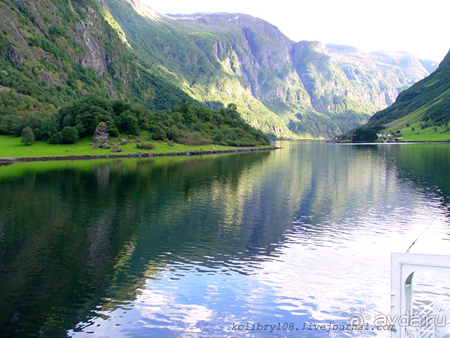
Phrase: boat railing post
{"type": "Point", "coordinates": [403, 267]}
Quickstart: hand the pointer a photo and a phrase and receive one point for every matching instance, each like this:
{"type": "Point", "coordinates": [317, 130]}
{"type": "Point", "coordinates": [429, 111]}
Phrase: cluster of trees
{"type": "Point", "coordinates": [191, 124]}
{"type": "Point", "coordinates": [365, 135]}
{"type": "Point", "coordinates": [187, 123]}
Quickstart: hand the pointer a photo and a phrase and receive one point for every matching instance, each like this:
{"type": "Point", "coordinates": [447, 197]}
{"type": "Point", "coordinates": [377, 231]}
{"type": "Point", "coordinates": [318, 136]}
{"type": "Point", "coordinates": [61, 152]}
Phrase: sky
{"type": "Point", "coordinates": [418, 27]}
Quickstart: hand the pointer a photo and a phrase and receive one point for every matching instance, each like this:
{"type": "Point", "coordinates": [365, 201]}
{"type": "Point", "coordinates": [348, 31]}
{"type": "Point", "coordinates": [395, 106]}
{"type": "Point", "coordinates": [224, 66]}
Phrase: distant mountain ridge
{"type": "Point", "coordinates": [430, 66]}
{"type": "Point", "coordinates": [316, 90]}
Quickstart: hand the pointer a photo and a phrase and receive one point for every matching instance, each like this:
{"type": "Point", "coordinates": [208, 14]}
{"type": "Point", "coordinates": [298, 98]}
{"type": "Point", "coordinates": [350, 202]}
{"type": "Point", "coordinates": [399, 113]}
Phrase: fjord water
{"type": "Point", "coordinates": [266, 244]}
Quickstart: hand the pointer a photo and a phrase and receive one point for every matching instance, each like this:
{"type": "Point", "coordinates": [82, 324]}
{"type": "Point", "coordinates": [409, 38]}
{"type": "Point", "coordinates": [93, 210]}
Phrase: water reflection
{"type": "Point", "coordinates": [190, 247]}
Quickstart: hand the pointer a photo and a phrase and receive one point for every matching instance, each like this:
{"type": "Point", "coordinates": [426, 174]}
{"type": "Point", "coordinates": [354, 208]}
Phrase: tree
{"type": "Point", "coordinates": [230, 134]}
{"type": "Point", "coordinates": [48, 128]}
{"type": "Point", "coordinates": [68, 121]}
{"type": "Point", "coordinates": [232, 111]}
{"type": "Point", "coordinates": [27, 136]}
{"type": "Point", "coordinates": [218, 137]}
{"type": "Point", "coordinates": [158, 133]}
{"type": "Point", "coordinates": [69, 135]}
{"type": "Point", "coordinates": [128, 123]}
{"type": "Point", "coordinates": [174, 133]}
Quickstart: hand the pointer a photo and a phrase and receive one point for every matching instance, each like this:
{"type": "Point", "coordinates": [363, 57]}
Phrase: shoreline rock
{"type": "Point", "coordinates": [101, 134]}
{"type": "Point", "coordinates": [8, 161]}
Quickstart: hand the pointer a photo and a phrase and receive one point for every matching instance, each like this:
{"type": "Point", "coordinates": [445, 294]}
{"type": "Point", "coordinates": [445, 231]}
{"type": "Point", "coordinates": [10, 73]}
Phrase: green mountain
{"type": "Point", "coordinates": [288, 89]}
{"type": "Point", "coordinates": [53, 52]}
{"type": "Point", "coordinates": [426, 105]}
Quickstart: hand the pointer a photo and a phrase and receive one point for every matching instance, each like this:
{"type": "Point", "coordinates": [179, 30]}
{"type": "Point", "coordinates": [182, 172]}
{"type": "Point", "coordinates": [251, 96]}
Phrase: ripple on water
{"type": "Point", "coordinates": [301, 235]}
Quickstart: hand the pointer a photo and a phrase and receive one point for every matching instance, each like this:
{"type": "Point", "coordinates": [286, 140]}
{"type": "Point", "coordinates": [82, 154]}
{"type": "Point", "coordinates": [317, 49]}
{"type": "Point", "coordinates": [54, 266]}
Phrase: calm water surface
{"type": "Point", "coordinates": [218, 246]}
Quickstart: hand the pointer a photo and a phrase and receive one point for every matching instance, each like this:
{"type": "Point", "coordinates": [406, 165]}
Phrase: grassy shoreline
{"type": "Point", "coordinates": [11, 147]}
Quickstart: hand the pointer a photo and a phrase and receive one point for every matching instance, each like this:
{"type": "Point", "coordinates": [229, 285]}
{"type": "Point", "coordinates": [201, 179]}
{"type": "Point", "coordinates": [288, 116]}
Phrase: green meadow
{"type": "Point", "coordinates": [12, 147]}
{"type": "Point", "coordinates": [414, 132]}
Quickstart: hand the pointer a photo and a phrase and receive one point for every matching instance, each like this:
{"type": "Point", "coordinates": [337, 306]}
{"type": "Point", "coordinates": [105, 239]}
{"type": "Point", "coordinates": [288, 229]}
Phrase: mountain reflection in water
{"type": "Point", "coordinates": [197, 246]}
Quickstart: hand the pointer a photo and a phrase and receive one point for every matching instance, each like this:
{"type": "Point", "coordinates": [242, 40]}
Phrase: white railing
{"type": "Point", "coordinates": [430, 322]}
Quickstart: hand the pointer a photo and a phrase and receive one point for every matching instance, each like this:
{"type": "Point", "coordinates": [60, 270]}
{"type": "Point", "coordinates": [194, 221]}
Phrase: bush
{"type": "Point", "coordinates": [190, 142]}
{"type": "Point", "coordinates": [193, 139]}
{"type": "Point", "coordinates": [145, 145]}
{"type": "Point", "coordinates": [245, 142]}
{"type": "Point", "coordinates": [56, 138]}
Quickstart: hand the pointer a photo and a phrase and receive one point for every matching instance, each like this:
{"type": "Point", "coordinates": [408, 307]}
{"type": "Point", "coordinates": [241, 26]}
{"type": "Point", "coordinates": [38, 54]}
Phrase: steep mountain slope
{"type": "Point", "coordinates": [427, 102]}
{"type": "Point", "coordinates": [285, 88]}
{"type": "Point", "coordinates": [190, 58]}
{"type": "Point", "coordinates": [53, 52]}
